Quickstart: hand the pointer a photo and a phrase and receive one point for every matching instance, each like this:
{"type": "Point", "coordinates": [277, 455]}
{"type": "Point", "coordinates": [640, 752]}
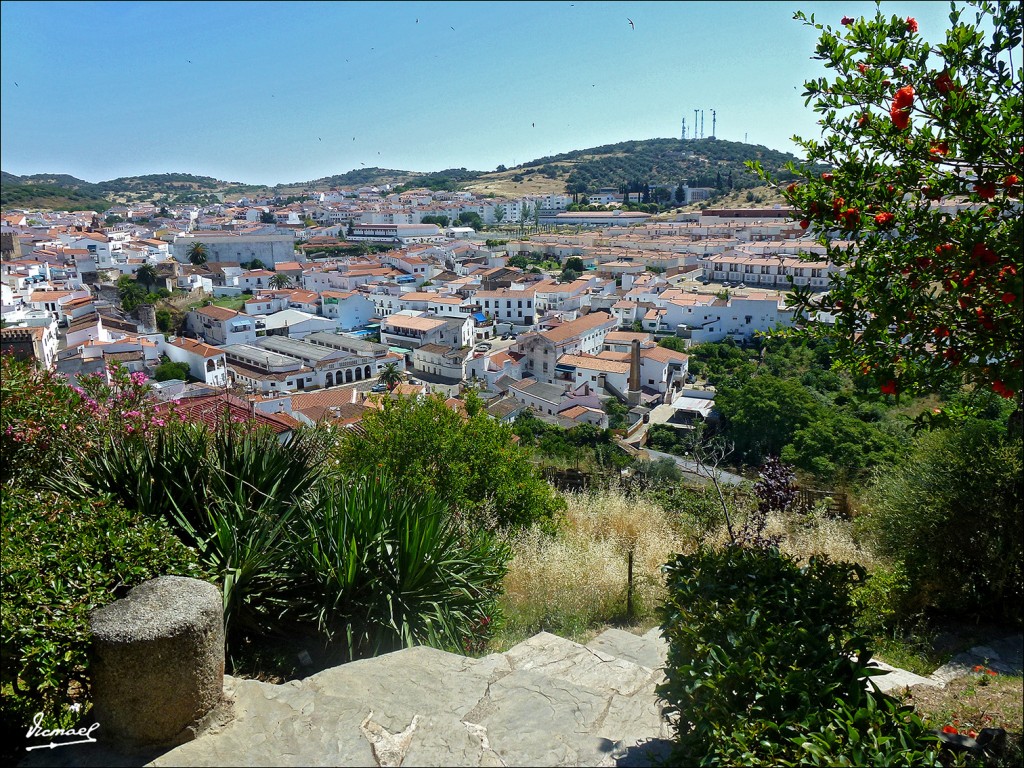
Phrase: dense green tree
{"type": "Point", "coordinates": [439, 220]}
{"type": "Point", "coordinates": [674, 343]}
{"type": "Point", "coordinates": [268, 217]}
{"type": "Point", "coordinates": [927, 295]}
{"type": "Point", "coordinates": [762, 414]}
{"type": "Point", "coordinates": [519, 261]}
{"type": "Point", "coordinates": [575, 263]}
{"type": "Point", "coordinates": [164, 320]}
{"type": "Point", "coordinates": [951, 514]}
{"type": "Point", "coordinates": [471, 219]}
{"type": "Point", "coordinates": [838, 447]}
{"type": "Point", "coordinates": [472, 464]}
{"type": "Point", "coordinates": [168, 370]}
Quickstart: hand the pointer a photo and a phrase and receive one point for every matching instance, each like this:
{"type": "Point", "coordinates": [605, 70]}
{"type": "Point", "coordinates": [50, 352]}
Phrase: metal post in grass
{"type": "Point", "coordinates": [629, 584]}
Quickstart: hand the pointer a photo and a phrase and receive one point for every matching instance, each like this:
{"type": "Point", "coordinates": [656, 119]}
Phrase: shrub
{"type": "Point", "coordinates": [472, 464]}
{"type": "Point", "coordinates": [765, 667]}
{"type": "Point", "coordinates": [44, 420]}
{"type": "Point", "coordinates": [171, 370]}
{"type": "Point", "coordinates": [950, 513]}
{"type": "Point", "coordinates": [62, 558]}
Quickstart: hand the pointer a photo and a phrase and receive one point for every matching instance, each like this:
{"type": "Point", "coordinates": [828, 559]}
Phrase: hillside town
{"type": "Point", "coordinates": [502, 312]}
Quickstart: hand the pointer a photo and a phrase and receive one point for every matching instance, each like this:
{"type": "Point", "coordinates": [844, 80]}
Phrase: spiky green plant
{"type": "Point", "coordinates": [376, 568]}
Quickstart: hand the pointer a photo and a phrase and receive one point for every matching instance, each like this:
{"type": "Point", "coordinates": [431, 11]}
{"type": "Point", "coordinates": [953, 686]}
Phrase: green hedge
{"type": "Point", "coordinates": [63, 558]}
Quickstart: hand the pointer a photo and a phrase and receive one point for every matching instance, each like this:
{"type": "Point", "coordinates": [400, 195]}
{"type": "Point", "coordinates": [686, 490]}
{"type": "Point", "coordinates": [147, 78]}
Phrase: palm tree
{"type": "Point", "coordinates": [390, 376]}
{"type": "Point", "coordinates": [280, 281]}
{"type": "Point", "coordinates": [198, 254]}
{"type": "Point", "coordinates": [146, 274]}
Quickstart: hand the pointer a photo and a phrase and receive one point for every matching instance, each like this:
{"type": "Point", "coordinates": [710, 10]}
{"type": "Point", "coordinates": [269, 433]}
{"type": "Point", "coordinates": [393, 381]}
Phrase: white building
{"type": "Point", "coordinates": [205, 363]}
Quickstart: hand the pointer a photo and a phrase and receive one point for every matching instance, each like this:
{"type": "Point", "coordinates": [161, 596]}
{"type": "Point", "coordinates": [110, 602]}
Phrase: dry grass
{"type": "Point", "coordinates": [576, 580]}
{"type": "Point", "coordinates": [806, 535]}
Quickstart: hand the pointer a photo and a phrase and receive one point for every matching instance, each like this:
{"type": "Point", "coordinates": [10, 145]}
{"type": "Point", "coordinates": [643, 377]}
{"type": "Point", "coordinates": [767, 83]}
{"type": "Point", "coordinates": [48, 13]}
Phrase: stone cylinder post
{"type": "Point", "coordinates": [158, 663]}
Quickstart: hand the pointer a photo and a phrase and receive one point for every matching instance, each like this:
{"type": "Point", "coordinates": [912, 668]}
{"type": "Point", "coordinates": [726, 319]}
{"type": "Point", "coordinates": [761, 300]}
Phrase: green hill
{"type": "Point", "coordinates": [628, 165]}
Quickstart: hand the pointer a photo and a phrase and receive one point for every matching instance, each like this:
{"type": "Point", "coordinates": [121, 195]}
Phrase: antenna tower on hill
{"type": "Point", "coordinates": [714, 118]}
{"type": "Point", "coordinates": [684, 127]}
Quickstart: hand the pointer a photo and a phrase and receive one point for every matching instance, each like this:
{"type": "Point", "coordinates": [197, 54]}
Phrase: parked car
{"type": "Point", "coordinates": [379, 388]}
{"type": "Point", "coordinates": [504, 337]}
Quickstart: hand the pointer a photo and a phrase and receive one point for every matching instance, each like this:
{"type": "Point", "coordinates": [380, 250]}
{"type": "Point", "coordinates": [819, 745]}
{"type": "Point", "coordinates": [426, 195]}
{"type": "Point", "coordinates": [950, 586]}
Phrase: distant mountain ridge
{"type": "Point", "coordinates": [628, 165]}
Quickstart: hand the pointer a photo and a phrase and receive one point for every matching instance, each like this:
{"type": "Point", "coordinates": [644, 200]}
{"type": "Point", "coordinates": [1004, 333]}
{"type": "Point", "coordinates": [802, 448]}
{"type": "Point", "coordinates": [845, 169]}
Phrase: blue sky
{"type": "Point", "coordinates": [278, 92]}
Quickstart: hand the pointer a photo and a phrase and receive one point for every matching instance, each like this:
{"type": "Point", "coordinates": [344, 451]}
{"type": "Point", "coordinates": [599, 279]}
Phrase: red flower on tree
{"type": "Point", "coordinates": [884, 219]}
{"type": "Point", "coordinates": [889, 388]}
{"type": "Point", "coordinates": [863, 68]}
{"type": "Point", "coordinates": [911, 24]}
{"type": "Point", "coordinates": [944, 83]}
{"type": "Point", "coordinates": [902, 101]}
{"type": "Point", "coordinates": [984, 254]}
{"type": "Point", "coordinates": [847, 21]}
{"type": "Point", "coordinates": [986, 190]}
{"type": "Point", "coordinates": [1003, 391]}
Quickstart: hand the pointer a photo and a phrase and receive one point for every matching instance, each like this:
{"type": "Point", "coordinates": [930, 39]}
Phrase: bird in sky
{"type": "Point", "coordinates": [16, 84]}
{"type": "Point", "coordinates": [631, 24]}
{"type": "Point", "coordinates": [189, 61]}
{"type": "Point", "coordinates": [534, 125]}
{"type": "Point", "coordinates": [453, 29]}
{"type": "Point", "coordinates": [319, 139]}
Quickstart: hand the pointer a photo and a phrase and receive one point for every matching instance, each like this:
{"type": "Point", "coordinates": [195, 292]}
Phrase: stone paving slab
{"type": "Point", "coordinates": [563, 659]}
{"type": "Point", "coordinates": [1004, 656]}
{"type": "Point", "coordinates": [547, 702]}
{"type": "Point", "coordinates": [647, 651]}
{"type": "Point", "coordinates": [897, 679]}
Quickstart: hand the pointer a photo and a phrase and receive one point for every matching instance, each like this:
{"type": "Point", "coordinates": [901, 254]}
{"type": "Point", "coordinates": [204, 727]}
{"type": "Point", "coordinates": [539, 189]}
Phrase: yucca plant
{"type": "Point", "coordinates": [230, 493]}
{"type": "Point", "coordinates": [375, 569]}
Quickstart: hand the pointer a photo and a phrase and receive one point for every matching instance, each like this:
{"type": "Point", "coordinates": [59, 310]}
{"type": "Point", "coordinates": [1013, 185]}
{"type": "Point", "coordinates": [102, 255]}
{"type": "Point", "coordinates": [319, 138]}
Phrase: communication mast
{"type": "Point", "coordinates": [702, 123]}
{"type": "Point", "coordinates": [695, 123]}
{"type": "Point", "coordinates": [684, 127]}
{"type": "Point", "coordinates": [714, 117]}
